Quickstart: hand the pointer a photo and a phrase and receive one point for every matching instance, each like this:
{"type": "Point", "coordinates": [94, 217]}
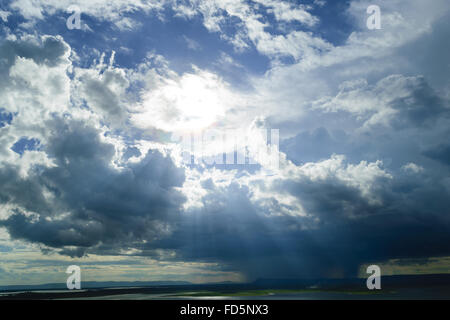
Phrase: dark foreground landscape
{"type": "Point", "coordinates": [393, 288]}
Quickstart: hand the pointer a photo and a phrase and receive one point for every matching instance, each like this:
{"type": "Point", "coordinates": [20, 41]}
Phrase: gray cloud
{"type": "Point", "coordinates": [439, 153]}
{"type": "Point", "coordinates": [91, 202]}
{"type": "Point", "coordinates": [411, 221]}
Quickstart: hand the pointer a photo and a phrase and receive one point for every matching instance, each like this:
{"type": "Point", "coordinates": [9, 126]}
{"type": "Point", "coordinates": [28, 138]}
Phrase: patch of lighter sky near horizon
{"type": "Point", "coordinates": [31, 267]}
{"type": "Point", "coordinates": [434, 265]}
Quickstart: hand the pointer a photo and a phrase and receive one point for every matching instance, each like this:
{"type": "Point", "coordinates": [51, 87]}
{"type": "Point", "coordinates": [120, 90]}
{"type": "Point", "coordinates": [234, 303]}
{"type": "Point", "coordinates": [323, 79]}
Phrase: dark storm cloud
{"type": "Point", "coordinates": [110, 210]}
{"type": "Point", "coordinates": [92, 202]}
{"type": "Point", "coordinates": [410, 222]}
{"type": "Point", "coordinates": [411, 217]}
{"type": "Point", "coordinates": [422, 107]}
{"type": "Point", "coordinates": [440, 153]}
{"type": "Point", "coordinates": [104, 93]}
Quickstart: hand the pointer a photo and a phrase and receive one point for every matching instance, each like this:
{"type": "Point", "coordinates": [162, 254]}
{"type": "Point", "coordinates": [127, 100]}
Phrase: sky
{"type": "Point", "coordinates": [345, 128]}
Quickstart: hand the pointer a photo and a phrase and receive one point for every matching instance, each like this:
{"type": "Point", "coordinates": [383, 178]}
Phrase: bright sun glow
{"type": "Point", "coordinates": [191, 102]}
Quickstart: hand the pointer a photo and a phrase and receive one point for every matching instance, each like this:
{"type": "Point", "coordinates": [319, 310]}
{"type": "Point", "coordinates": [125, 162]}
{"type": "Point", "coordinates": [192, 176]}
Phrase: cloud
{"type": "Point", "coordinates": [84, 202]}
{"type": "Point", "coordinates": [4, 15]}
{"type": "Point", "coordinates": [192, 44]}
{"type": "Point", "coordinates": [75, 192]}
{"type": "Point", "coordinates": [100, 9]}
{"type": "Point", "coordinates": [395, 100]}
{"type": "Point", "coordinates": [284, 11]}
{"type": "Point", "coordinates": [244, 235]}
{"type": "Point", "coordinates": [412, 167]}
{"type": "Point", "coordinates": [353, 213]}
{"type": "Point", "coordinates": [104, 90]}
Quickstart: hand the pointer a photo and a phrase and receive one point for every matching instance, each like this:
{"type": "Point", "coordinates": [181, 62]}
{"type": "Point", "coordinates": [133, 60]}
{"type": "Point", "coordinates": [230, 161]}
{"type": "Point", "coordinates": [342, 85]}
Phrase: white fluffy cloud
{"type": "Point", "coordinates": [104, 10]}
